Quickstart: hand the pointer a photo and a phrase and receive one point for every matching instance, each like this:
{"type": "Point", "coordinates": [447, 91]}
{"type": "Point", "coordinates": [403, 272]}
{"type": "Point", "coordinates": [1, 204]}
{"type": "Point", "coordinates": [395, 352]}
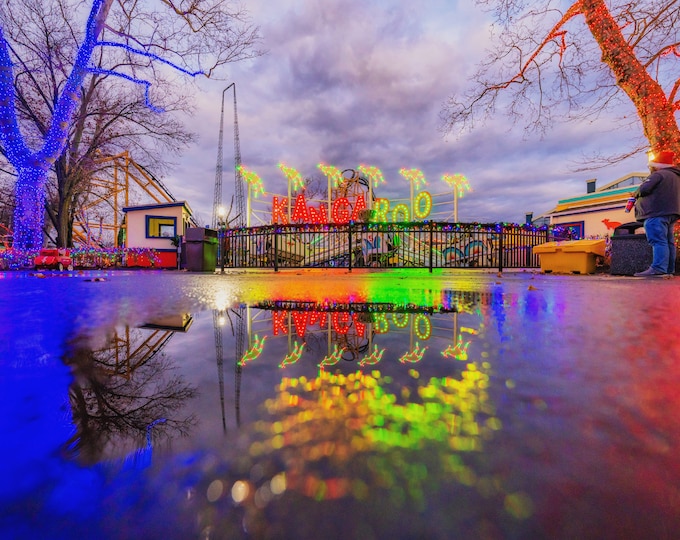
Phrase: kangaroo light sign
{"type": "Point", "coordinates": [350, 196]}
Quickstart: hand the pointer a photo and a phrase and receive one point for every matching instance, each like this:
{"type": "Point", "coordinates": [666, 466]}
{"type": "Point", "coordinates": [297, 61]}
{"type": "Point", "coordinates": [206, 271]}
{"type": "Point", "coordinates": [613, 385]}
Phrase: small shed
{"type": "Point", "coordinates": [155, 227]}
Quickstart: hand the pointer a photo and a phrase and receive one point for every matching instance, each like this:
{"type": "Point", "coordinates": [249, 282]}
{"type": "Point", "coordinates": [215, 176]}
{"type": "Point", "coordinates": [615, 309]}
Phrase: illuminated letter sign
{"type": "Point", "coordinates": [358, 207]}
{"type": "Point", "coordinates": [279, 211]}
{"type": "Point", "coordinates": [340, 210]}
{"type": "Point", "coordinates": [381, 207]}
{"type": "Point", "coordinates": [300, 209]}
{"type": "Point", "coordinates": [424, 200]}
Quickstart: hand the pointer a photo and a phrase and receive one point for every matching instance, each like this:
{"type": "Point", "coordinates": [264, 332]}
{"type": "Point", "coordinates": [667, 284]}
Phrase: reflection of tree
{"type": "Point", "coordinates": [112, 413]}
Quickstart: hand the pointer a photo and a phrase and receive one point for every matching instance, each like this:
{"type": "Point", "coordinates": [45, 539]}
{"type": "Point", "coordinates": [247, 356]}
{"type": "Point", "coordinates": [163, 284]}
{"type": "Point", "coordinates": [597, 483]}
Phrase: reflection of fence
{"type": "Point", "coordinates": [404, 245]}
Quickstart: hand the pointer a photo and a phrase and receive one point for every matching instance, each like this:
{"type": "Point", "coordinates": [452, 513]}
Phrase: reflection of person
{"type": "Point", "coordinates": [658, 207]}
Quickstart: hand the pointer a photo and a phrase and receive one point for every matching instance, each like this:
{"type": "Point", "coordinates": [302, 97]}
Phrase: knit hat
{"type": "Point", "coordinates": [662, 159]}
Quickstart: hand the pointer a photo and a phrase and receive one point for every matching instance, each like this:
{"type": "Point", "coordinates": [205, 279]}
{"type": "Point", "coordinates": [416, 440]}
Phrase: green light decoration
{"type": "Point", "coordinates": [458, 182]}
{"type": "Point", "coordinates": [253, 180]}
{"type": "Point", "coordinates": [334, 357]}
{"type": "Point", "coordinates": [254, 352]}
{"type": "Point", "coordinates": [373, 173]}
{"type": "Point", "coordinates": [293, 356]}
{"type": "Point", "coordinates": [373, 358]}
{"type": "Point", "coordinates": [332, 172]}
{"type": "Point", "coordinates": [459, 351]}
{"type": "Point", "coordinates": [293, 176]}
{"type": "Point", "coordinates": [415, 176]}
{"type": "Point", "coordinates": [416, 355]}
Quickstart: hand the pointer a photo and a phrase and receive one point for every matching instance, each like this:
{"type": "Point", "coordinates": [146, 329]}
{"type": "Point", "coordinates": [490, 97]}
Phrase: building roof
{"type": "Point", "coordinates": [613, 192]}
{"type": "Point", "coordinates": [161, 205]}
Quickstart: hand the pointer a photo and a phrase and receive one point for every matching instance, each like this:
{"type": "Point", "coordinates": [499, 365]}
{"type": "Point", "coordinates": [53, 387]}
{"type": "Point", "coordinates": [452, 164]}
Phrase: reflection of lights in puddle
{"type": "Point", "coordinates": [225, 297]}
{"type": "Point", "coordinates": [364, 436]}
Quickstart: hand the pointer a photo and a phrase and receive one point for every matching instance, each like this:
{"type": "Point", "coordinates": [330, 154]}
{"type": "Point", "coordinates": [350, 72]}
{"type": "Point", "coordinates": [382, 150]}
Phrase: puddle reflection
{"type": "Point", "coordinates": [377, 411]}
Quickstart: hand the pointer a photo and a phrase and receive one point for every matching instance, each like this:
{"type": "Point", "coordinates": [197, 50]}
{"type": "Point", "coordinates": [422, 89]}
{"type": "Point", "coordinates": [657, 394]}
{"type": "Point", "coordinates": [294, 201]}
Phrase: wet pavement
{"type": "Point", "coordinates": [327, 404]}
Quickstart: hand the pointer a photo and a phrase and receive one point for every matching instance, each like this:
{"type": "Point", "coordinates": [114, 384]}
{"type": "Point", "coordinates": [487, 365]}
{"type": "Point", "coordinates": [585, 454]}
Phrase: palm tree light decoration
{"type": "Point", "coordinates": [255, 188]}
{"type": "Point", "coordinates": [460, 186]}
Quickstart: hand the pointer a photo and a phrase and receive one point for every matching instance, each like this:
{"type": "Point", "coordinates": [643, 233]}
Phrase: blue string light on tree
{"type": "Point", "coordinates": [32, 166]}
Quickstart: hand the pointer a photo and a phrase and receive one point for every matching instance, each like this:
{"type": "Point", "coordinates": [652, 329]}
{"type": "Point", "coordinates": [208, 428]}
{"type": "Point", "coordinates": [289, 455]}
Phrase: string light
{"type": "Point", "coordinates": [332, 172]}
{"type": "Point", "coordinates": [252, 179]}
{"type": "Point", "coordinates": [458, 182]}
{"type": "Point", "coordinates": [293, 177]}
{"type": "Point", "coordinates": [415, 176]}
{"type": "Point", "coordinates": [416, 355]}
{"type": "Point", "coordinates": [293, 356]}
{"type": "Point", "coordinates": [254, 352]}
{"type": "Point", "coordinates": [373, 173]}
{"type": "Point", "coordinates": [334, 357]}
{"type": "Point", "coordinates": [373, 358]}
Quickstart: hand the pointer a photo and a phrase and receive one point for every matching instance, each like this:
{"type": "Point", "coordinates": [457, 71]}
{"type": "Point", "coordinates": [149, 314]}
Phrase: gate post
{"type": "Point", "coordinates": [349, 244]}
{"type": "Point", "coordinates": [431, 239]}
{"type": "Point", "coordinates": [500, 249]}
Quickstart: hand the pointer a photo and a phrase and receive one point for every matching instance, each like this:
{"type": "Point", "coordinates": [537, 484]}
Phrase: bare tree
{"type": "Point", "coordinates": [550, 64]}
{"type": "Point", "coordinates": [67, 95]}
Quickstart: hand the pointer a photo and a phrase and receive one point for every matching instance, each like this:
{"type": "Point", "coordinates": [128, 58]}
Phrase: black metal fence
{"type": "Point", "coordinates": [384, 245]}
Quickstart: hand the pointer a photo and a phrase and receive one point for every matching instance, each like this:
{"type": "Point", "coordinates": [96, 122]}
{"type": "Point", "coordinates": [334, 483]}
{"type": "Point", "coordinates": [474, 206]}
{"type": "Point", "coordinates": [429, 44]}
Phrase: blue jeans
{"type": "Point", "coordinates": [659, 231]}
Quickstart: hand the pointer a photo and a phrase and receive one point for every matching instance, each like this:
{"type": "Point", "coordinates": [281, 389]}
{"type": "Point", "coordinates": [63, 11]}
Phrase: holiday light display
{"type": "Point", "coordinates": [374, 358]}
{"type": "Point", "coordinates": [374, 174]}
{"type": "Point", "coordinates": [345, 208]}
{"type": "Point", "coordinates": [333, 358]}
{"type": "Point", "coordinates": [458, 182]}
{"type": "Point", "coordinates": [254, 352]}
{"type": "Point", "coordinates": [457, 351]}
{"type": "Point", "coordinates": [293, 177]}
{"type": "Point", "coordinates": [253, 181]}
{"type": "Point", "coordinates": [352, 432]}
{"type": "Point", "coordinates": [633, 40]}
{"type": "Point", "coordinates": [414, 176]}
{"type": "Point", "coordinates": [32, 166]}
{"type": "Point", "coordinates": [416, 355]}
{"type": "Point", "coordinates": [294, 356]}
{"type": "Point", "coordinates": [333, 173]}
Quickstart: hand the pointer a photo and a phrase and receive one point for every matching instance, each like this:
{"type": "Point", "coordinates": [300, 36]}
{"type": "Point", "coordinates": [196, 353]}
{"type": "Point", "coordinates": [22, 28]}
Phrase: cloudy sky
{"type": "Point", "coordinates": [350, 82]}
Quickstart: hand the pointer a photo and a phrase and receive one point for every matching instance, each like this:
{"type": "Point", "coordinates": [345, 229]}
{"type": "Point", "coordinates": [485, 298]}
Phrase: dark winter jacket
{"type": "Point", "coordinates": [659, 195]}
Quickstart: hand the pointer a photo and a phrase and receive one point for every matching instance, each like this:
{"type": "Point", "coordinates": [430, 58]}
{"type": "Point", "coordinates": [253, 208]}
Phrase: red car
{"type": "Point", "coordinates": [55, 258]}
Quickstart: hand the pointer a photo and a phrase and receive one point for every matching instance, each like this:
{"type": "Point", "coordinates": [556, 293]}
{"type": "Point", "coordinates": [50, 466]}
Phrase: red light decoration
{"type": "Point", "coordinates": [300, 319]}
{"type": "Point", "coordinates": [341, 210]}
{"type": "Point", "coordinates": [300, 209]}
{"type": "Point", "coordinates": [279, 319]}
{"type": "Point", "coordinates": [340, 321]}
{"type": "Point", "coordinates": [359, 205]}
{"type": "Point", "coordinates": [318, 216]}
{"type": "Point", "coordinates": [279, 211]}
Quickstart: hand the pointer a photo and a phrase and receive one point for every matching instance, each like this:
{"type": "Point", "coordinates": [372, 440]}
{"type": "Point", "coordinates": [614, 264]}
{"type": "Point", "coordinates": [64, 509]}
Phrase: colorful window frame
{"type": "Point", "coordinates": [161, 227]}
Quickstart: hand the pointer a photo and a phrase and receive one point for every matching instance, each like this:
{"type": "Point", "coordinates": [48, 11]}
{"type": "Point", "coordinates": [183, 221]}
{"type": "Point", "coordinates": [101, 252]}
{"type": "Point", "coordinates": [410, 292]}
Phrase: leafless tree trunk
{"type": "Point", "coordinates": [72, 96]}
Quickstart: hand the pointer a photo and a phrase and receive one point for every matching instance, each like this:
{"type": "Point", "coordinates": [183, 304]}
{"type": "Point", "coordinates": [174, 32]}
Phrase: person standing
{"type": "Point", "coordinates": [657, 206]}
